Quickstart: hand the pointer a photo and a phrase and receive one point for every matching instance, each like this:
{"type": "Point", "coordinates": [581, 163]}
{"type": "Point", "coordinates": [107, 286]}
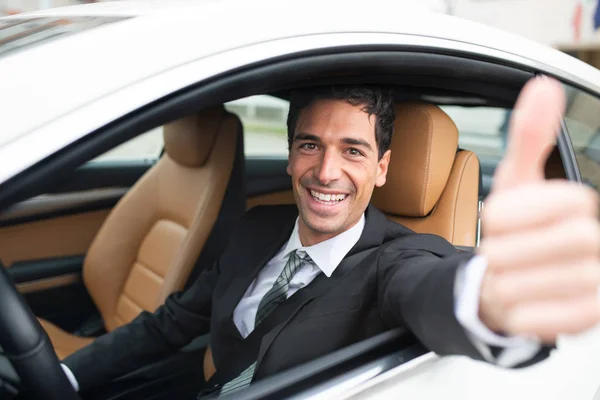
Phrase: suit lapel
{"type": "Point", "coordinates": [370, 239]}
{"type": "Point", "coordinates": [265, 243]}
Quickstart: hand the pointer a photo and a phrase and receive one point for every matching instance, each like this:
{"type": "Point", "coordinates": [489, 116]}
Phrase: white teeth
{"type": "Point", "coordinates": [327, 197]}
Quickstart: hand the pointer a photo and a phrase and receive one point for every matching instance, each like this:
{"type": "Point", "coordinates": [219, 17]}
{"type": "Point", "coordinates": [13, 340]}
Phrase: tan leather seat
{"type": "Point", "coordinates": [150, 241]}
{"type": "Point", "coordinates": [431, 187]}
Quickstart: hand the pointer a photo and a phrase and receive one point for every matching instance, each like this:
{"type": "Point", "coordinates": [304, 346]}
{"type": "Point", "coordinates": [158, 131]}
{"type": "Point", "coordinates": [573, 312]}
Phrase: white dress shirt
{"type": "Point", "coordinates": [328, 254]}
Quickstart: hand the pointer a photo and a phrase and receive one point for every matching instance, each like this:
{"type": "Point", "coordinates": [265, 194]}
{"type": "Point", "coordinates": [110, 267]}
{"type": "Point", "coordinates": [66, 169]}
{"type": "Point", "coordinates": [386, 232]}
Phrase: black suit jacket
{"type": "Point", "coordinates": [392, 277]}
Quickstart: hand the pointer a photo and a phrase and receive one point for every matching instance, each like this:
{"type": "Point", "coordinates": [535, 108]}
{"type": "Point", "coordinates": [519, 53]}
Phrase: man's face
{"type": "Point", "coordinates": [334, 166]}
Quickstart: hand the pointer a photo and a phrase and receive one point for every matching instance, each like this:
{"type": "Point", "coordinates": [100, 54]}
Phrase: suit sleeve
{"type": "Point", "coordinates": [417, 289]}
{"type": "Point", "coordinates": [149, 337]}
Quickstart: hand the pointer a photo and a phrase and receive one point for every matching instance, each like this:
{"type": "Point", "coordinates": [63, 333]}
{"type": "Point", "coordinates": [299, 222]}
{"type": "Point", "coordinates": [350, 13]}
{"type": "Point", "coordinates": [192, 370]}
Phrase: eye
{"type": "Point", "coordinates": [355, 152]}
{"type": "Point", "coordinates": [308, 146]}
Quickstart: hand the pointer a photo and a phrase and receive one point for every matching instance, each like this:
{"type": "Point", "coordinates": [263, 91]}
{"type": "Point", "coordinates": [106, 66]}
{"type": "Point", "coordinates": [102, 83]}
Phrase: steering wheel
{"type": "Point", "coordinates": [28, 348]}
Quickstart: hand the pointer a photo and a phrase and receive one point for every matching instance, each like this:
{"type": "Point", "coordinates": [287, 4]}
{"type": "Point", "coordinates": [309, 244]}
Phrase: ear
{"type": "Point", "coordinates": [382, 169]}
{"type": "Point", "coordinates": [288, 169]}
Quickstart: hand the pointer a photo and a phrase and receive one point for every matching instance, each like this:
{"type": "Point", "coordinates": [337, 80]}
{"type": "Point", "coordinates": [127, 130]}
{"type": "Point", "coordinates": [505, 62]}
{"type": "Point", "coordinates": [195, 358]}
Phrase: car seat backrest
{"type": "Point", "coordinates": [150, 241]}
{"type": "Point", "coordinates": [431, 187]}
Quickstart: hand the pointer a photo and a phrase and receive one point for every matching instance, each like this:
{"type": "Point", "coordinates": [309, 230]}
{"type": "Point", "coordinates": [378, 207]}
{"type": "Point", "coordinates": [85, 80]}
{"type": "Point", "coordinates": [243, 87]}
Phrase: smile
{"type": "Point", "coordinates": [329, 199]}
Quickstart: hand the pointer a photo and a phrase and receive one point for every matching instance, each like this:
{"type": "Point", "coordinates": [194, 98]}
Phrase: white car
{"type": "Point", "coordinates": [86, 92]}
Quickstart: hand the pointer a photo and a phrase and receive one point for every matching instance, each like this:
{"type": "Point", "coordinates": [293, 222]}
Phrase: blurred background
{"type": "Point", "coordinates": [569, 25]}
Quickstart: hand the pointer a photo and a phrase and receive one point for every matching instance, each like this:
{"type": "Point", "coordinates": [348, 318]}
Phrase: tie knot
{"type": "Point", "coordinates": [302, 255]}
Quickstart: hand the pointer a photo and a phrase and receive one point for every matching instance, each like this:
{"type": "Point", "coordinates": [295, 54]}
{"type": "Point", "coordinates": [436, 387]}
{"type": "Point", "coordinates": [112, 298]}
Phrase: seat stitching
{"type": "Point", "coordinates": [424, 191]}
{"type": "Point", "coordinates": [128, 298]}
{"type": "Point", "coordinates": [458, 191]}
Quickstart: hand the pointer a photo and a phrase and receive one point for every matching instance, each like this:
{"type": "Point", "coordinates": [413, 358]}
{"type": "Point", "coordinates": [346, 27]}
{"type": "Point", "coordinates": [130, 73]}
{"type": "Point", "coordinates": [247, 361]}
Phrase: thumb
{"type": "Point", "coordinates": [534, 127]}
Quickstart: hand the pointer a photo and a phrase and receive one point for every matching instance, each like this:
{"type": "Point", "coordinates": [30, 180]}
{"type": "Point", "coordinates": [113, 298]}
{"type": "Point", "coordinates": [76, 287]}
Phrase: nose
{"type": "Point", "coordinates": [329, 168]}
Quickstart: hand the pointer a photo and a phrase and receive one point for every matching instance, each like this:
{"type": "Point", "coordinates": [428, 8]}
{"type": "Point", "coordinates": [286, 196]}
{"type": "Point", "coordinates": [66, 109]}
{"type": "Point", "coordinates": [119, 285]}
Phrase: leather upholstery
{"type": "Point", "coordinates": [149, 243]}
{"type": "Point", "coordinates": [38, 240]}
{"type": "Point", "coordinates": [271, 199]}
{"type": "Point", "coordinates": [189, 141]}
{"type": "Point", "coordinates": [430, 188]}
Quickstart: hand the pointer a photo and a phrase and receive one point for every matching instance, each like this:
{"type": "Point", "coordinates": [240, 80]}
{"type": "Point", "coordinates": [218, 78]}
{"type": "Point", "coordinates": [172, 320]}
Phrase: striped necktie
{"type": "Point", "coordinates": [275, 296]}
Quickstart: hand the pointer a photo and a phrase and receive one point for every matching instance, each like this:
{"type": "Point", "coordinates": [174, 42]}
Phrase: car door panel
{"type": "Point", "coordinates": [67, 235]}
{"type": "Point", "coordinates": [54, 290]}
{"type": "Point", "coordinates": [43, 240]}
{"type": "Point", "coordinates": [65, 221]}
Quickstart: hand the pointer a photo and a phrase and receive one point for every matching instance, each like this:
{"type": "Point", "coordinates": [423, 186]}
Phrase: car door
{"type": "Point", "coordinates": [43, 240]}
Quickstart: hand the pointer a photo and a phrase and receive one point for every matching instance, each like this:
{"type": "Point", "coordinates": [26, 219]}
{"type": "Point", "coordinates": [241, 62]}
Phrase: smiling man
{"type": "Point", "coordinates": [298, 282]}
{"type": "Point", "coordinates": [338, 154]}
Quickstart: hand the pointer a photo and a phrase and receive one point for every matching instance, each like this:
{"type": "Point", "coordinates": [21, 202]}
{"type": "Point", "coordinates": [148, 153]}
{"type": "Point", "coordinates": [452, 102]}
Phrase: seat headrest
{"type": "Point", "coordinates": [424, 146]}
{"type": "Point", "coordinates": [189, 141]}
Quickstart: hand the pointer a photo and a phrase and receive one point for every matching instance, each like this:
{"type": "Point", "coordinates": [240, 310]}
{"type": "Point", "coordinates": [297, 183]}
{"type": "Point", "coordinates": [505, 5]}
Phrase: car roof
{"type": "Point", "coordinates": [141, 39]}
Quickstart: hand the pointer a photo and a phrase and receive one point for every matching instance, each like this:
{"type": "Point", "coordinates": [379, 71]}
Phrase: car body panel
{"type": "Point", "coordinates": [570, 373]}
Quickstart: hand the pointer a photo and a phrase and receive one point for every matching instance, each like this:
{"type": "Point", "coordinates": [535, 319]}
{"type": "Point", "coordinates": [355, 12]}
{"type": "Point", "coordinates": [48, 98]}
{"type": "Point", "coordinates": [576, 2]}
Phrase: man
{"type": "Point", "coordinates": [296, 283]}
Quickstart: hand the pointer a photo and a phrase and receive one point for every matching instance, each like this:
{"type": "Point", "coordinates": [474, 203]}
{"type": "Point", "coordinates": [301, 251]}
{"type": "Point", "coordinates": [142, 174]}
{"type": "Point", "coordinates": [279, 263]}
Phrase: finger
{"type": "Point", "coordinates": [547, 320]}
{"type": "Point", "coordinates": [552, 282]}
{"type": "Point", "coordinates": [573, 239]}
{"type": "Point", "coordinates": [537, 205]}
{"type": "Point", "coordinates": [534, 126]}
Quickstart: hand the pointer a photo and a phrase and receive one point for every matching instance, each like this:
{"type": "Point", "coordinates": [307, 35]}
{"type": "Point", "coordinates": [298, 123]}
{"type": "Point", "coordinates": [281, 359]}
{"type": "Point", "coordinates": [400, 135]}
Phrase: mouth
{"type": "Point", "coordinates": [328, 199]}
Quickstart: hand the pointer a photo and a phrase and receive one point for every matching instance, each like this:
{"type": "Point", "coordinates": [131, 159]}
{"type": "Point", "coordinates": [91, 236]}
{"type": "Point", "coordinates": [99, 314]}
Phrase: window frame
{"type": "Point", "coordinates": [254, 80]}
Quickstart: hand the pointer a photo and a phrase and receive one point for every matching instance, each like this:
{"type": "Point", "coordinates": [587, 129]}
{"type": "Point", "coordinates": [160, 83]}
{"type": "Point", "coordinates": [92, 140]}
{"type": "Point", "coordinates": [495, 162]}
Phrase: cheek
{"type": "Point", "coordinates": [363, 179]}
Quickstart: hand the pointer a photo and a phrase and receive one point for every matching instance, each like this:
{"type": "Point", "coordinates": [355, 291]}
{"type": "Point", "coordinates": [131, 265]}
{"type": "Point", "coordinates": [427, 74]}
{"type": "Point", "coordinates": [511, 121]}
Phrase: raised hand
{"type": "Point", "coordinates": [541, 238]}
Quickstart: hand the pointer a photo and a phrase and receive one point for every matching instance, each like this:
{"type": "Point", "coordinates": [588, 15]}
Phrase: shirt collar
{"type": "Point", "coordinates": [328, 254]}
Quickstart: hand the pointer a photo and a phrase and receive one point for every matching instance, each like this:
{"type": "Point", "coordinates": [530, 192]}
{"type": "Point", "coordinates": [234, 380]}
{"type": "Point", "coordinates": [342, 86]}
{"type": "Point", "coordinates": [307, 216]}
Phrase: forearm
{"type": "Point", "coordinates": [433, 305]}
{"type": "Point", "coordinates": [146, 339]}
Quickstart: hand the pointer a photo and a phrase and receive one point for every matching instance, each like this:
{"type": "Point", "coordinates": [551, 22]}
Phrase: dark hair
{"type": "Point", "coordinates": [374, 101]}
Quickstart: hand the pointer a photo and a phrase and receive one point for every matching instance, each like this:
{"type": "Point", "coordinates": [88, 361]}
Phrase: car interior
{"type": "Point", "coordinates": [91, 245]}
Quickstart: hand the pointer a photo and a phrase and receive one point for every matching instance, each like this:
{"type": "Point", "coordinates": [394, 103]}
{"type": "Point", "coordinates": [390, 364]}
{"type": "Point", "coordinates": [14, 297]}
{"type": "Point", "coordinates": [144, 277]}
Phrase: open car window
{"type": "Point", "coordinates": [264, 120]}
{"type": "Point", "coordinates": [583, 123]}
{"type": "Point", "coordinates": [482, 130]}
{"type": "Point", "coordinates": [143, 148]}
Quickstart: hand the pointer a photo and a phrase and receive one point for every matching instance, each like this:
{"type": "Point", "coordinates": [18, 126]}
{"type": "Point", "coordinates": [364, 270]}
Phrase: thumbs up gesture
{"type": "Point", "coordinates": [541, 238]}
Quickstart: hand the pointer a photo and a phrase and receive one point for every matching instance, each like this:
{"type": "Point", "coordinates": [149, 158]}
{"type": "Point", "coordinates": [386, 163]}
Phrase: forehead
{"type": "Point", "coordinates": [336, 119]}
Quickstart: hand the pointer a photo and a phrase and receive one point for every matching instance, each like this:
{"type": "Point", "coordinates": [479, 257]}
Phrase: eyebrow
{"type": "Point", "coordinates": [357, 142]}
{"type": "Point", "coordinates": [306, 136]}
{"type": "Point", "coordinates": [314, 138]}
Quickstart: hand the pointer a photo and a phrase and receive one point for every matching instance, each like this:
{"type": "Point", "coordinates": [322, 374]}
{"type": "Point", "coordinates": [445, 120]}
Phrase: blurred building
{"type": "Point", "coordinates": [569, 25]}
